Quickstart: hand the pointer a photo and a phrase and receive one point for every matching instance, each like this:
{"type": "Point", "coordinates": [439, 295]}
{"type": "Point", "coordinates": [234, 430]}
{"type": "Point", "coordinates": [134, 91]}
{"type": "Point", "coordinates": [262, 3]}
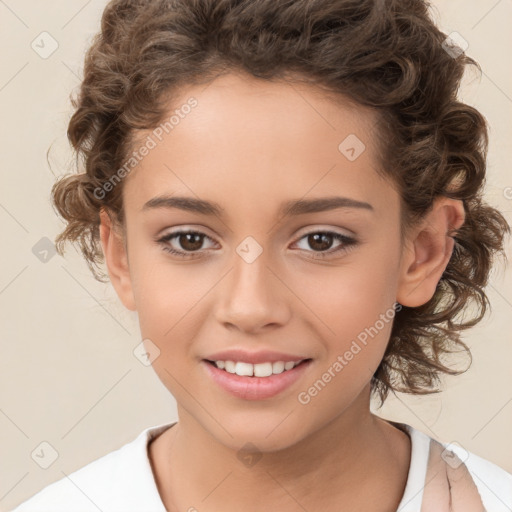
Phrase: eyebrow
{"type": "Point", "coordinates": [287, 209]}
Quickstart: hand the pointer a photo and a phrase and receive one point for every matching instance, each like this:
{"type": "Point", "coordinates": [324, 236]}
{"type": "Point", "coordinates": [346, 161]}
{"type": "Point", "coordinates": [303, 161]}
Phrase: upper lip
{"type": "Point", "coordinates": [262, 356]}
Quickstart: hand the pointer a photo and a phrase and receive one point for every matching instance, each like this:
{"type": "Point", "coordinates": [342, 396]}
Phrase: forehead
{"type": "Point", "coordinates": [248, 141]}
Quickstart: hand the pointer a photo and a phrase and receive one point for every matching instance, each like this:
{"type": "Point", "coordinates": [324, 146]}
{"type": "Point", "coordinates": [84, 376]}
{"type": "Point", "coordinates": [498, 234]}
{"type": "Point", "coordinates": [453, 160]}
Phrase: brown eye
{"type": "Point", "coordinates": [321, 241]}
{"type": "Point", "coordinates": [190, 241]}
{"type": "Point", "coordinates": [183, 243]}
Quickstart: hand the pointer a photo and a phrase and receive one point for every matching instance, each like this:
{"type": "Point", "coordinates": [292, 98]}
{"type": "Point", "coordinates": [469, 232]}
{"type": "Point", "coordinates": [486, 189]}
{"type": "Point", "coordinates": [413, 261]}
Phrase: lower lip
{"type": "Point", "coordinates": [255, 388]}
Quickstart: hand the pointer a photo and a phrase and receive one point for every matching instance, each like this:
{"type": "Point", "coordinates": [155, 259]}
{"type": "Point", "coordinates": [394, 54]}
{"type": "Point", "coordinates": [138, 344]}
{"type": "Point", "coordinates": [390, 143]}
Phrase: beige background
{"type": "Point", "coordinates": [68, 374]}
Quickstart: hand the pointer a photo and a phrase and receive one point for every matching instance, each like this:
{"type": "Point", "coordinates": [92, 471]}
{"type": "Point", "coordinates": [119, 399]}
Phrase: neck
{"type": "Point", "coordinates": [343, 461]}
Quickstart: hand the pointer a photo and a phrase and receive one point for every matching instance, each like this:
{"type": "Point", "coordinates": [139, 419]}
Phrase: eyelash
{"type": "Point", "coordinates": [347, 243]}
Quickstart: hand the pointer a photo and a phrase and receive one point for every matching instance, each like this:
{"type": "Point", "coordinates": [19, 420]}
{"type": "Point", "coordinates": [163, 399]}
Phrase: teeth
{"type": "Point", "coordinates": [278, 367]}
{"type": "Point", "coordinates": [256, 370]}
{"type": "Point", "coordinates": [229, 366]}
{"type": "Point", "coordinates": [244, 369]}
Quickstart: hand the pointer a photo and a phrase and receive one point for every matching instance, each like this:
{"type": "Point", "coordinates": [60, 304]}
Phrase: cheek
{"type": "Point", "coordinates": [355, 306]}
{"type": "Point", "coordinates": [357, 314]}
{"type": "Point", "coordinates": [351, 297]}
{"type": "Point", "coordinates": [168, 296]}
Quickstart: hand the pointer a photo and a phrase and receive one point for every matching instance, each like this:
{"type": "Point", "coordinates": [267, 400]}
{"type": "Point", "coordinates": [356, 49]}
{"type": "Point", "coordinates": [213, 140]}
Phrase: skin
{"type": "Point", "coordinates": [249, 145]}
{"type": "Point", "coordinates": [449, 486]}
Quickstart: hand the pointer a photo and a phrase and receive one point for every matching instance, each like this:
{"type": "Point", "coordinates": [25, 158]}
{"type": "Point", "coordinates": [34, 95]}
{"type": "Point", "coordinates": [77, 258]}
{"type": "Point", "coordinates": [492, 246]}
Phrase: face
{"type": "Point", "coordinates": [312, 282]}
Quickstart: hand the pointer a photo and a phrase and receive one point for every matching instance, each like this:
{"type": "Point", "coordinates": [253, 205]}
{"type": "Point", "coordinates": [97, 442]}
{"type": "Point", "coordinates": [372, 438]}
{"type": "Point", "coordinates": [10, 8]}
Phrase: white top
{"type": "Point", "coordinates": [123, 481]}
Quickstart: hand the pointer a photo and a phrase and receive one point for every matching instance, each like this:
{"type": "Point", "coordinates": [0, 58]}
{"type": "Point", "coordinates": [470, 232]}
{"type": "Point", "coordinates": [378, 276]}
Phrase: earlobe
{"type": "Point", "coordinates": [116, 259]}
{"type": "Point", "coordinates": [428, 252]}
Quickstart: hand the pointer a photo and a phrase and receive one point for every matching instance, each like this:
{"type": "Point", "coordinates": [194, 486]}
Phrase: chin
{"type": "Point", "coordinates": [264, 432]}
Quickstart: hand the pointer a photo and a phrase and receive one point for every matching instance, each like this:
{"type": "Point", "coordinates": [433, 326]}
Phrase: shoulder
{"type": "Point", "coordinates": [121, 480]}
{"type": "Point", "coordinates": [447, 468]}
{"type": "Point", "coordinates": [494, 484]}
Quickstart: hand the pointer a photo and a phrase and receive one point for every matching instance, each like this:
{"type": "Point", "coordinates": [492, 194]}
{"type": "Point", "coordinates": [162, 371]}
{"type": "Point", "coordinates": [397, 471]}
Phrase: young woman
{"type": "Point", "coordinates": [289, 196]}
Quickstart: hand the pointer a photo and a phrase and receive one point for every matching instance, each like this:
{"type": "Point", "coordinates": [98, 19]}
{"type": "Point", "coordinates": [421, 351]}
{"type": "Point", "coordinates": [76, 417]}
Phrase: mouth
{"type": "Point", "coordinates": [259, 370]}
{"type": "Point", "coordinates": [258, 381]}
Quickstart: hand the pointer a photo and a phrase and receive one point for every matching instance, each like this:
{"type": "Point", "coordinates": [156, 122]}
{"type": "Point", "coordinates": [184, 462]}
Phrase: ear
{"type": "Point", "coordinates": [116, 258]}
{"type": "Point", "coordinates": [427, 252]}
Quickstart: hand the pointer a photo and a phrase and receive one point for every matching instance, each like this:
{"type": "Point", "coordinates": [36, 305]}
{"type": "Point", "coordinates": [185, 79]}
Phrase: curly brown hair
{"type": "Point", "coordinates": [386, 54]}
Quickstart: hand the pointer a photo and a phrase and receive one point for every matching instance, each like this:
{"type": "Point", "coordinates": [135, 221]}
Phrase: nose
{"type": "Point", "coordinates": [252, 297]}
